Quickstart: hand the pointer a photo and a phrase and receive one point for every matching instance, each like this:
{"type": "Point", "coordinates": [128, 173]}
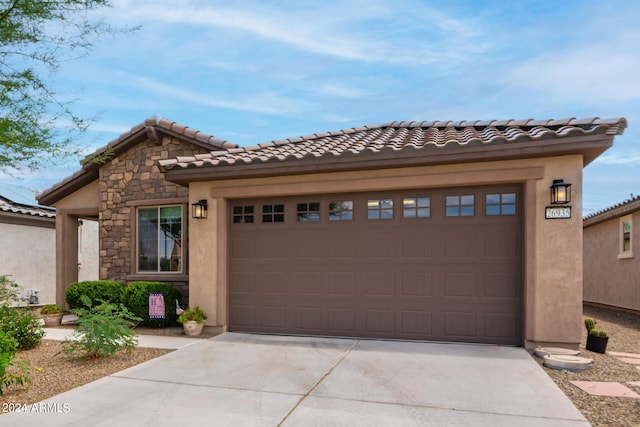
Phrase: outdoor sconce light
{"type": "Point", "coordinates": [560, 192]}
{"type": "Point", "coordinates": [199, 209]}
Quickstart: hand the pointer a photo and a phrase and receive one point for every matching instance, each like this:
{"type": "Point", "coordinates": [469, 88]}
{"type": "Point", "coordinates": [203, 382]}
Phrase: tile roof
{"type": "Point", "coordinates": [399, 136]}
{"type": "Point", "coordinates": [11, 207]}
{"type": "Point", "coordinates": [149, 129]}
{"type": "Point", "coordinates": [620, 209]}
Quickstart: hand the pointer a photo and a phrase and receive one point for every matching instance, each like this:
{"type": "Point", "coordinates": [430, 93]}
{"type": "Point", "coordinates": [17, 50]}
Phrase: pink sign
{"type": "Point", "coordinates": [156, 306]}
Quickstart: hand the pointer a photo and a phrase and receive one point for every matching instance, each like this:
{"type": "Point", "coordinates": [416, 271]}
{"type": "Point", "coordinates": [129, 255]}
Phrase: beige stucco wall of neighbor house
{"type": "Point", "coordinates": [552, 248]}
{"type": "Point", "coordinates": [608, 278]}
{"type": "Point", "coordinates": [28, 255]}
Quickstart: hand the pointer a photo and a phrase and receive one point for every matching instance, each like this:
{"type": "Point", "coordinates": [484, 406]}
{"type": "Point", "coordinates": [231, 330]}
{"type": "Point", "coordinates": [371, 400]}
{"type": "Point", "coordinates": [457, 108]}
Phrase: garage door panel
{"type": "Point", "coordinates": [430, 278]}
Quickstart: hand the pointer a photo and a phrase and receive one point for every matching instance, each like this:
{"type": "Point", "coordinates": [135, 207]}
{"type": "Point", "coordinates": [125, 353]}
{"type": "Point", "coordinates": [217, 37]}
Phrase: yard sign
{"type": "Point", "coordinates": [156, 306]}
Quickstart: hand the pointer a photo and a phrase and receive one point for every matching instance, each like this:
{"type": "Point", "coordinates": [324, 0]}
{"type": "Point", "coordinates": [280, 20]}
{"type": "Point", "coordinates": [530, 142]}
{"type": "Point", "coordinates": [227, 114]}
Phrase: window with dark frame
{"type": "Point", "coordinates": [243, 214]}
{"type": "Point", "coordinates": [308, 212]}
{"type": "Point", "coordinates": [460, 205]}
{"type": "Point", "coordinates": [416, 207]}
{"type": "Point", "coordinates": [341, 210]}
{"type": "Point", "coordinates": [273, 213]}
{"type": "Point", "coordinates": [500, 204]}
{"type": "Point", "coordinates": [380, 209]}
{"type": "Point", "coordinates": [159, 239]}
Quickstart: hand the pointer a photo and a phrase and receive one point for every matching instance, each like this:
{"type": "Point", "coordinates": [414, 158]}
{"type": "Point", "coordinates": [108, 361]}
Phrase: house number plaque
{"type": "Point", "coordinates": [557, 212]}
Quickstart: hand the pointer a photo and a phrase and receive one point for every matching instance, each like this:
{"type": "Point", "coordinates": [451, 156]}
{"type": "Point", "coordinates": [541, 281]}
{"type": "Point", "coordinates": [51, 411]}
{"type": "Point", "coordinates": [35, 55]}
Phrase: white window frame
{"type": "Point", "coordinates": [625, 253]}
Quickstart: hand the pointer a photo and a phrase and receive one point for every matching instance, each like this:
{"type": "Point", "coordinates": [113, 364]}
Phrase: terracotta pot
{"type": "Point", "coordinates": [597, 344]}
{"type": "Point", "coordinates": [52, 319]}
{"type": "Point", "coordinates": [192, 328]}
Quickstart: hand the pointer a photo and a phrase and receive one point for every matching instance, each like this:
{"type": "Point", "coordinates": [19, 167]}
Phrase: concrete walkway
{"type": "Point", "coordinates": [254, 380]}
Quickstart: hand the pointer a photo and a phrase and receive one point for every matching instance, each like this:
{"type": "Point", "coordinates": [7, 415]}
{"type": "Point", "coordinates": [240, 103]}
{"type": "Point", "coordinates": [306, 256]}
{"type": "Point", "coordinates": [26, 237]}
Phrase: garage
{"type": "Point", "coordinates": [418, 264]}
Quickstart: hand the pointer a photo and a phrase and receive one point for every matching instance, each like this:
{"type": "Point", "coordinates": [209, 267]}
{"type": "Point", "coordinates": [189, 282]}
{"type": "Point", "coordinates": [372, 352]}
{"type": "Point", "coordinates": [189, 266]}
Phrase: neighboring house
{"type": "Point", "coordinates": [412, 230]}
{"type": "Point", "coordinates": [28, 249]}
{"type": "Point", "coordinates": [611, 263]}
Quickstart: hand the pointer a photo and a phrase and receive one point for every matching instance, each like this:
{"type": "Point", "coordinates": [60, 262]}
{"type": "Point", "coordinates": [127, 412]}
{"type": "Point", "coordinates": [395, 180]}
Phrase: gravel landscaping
{"type": "Point", "coordinates": [51, 375]}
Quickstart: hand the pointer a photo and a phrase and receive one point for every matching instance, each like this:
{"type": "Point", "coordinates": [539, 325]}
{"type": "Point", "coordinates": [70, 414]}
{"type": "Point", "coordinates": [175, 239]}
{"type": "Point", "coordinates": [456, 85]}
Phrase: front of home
{"type": "Point", "coordinates": [439, 231]}
{"type": "Point", "coordinates": [611, 267]}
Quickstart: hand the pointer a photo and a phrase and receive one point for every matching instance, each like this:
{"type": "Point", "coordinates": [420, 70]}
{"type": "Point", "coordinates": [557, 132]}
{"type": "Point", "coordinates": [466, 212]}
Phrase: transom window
{"type": "Point", "coordinates": [460, 205]}
{"type": "Point", "coordinates": [380, 209]}
{"type": "Point", "coordinates": [159, 246]}
{"type": "Point", "coordinates": [416, 207]}
{"type": "Point", "coordinates": [273, 213]}
{"type": "Point", "coordinates": [341, 210]}
{"type": "Point", "coordinates": [243, 214]}
{"type": "Point", "coordinates": [500, 204]}
{"type": "Point", "coordinates": [308, 212]}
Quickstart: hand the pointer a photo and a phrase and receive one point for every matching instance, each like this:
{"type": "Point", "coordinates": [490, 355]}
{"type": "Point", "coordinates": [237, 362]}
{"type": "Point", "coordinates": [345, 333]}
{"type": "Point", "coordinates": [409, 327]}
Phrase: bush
{"type": "Point", "coordinates": [96, 290]}
{"type": "Point", "coordinates": [8, 291]}
{"type": "Point", "coordinates": [51, 309]}
{"type": "Point", "coordinates": [102, 330]}
{"type": "Point", "coordinates": [8, 346]}
{"type": "Point", "coordinates": [23, 325]}
{"type": "Point", "coordinates": [136, 299]}
{"type": "Point", "coordinates": [194, 314]}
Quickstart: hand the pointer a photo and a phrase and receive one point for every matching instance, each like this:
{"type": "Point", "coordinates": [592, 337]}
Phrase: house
{"type": "Point", "coordinates": [28, 249]}
{"type": "Point", "coordinates": [611, 266]}
{"type": "Point", "coordinates": [441, 231]}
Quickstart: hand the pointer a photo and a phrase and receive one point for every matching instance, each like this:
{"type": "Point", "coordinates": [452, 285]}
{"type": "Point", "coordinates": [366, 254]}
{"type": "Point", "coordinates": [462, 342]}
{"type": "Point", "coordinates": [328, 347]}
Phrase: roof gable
{"type": "Point", "coordinates": [410, 143]}
{"type": "Point", "coordinates": [152, 129]}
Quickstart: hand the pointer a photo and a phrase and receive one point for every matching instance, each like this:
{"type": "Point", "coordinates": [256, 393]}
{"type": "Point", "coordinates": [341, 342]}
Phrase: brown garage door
{"type": "Point", "coordinates": [438, 265]}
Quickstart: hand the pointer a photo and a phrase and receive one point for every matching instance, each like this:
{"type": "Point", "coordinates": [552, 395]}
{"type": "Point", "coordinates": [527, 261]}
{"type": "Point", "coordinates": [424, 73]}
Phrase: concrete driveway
{"type": "Point", "coordinates": [243, 379]}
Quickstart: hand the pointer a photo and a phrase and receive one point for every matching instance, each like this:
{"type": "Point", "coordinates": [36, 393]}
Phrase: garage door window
{"type": "Point", "coordinates": [380, 209]}
{"type": "Point", "coordinates": [416, 207]}
{"type": "Point", "coordinates": [243, 214]}
{"type": "Point", "coordinates": [341, 210]}
{"type": "Point", "coordinates": [273, 213]}
{"type": "Point", "coordinates": [500, 204]}
{"type": "Point", "coordinates": [460, 205]}
{"type": "Point", "coordinates": [308, 212]}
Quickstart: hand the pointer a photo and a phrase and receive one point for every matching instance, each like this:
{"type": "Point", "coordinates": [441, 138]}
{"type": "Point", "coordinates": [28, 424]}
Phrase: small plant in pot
{"type": "Point", "coordinates": [51, 315]}
{"type": "Point", "coordinates": [192, 320]}
{"type": "Point", "coordinates": [597, 339]}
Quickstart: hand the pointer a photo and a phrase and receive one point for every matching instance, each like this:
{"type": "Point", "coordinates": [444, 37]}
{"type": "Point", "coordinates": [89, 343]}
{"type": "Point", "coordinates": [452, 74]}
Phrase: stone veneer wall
{"type": "Point", "coordinates": [131, 177]}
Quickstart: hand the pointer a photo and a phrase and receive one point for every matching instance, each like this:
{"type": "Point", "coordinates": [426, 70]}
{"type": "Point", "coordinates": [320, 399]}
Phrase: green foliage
{"type": "Point", "coordinates": [193, 314]}
{"type": "Point", "coordinates": [8, 290]}
{"type": "Point", "coordinates": [598, 333]}
{"type": "Point", "coordinates": [96, 290]}
{"type": "Point", "coordinates": [102, 330]}
{"type": "Point", "coordinates": [136, 299]}
{"type": "Point", "coordinates": [21, 324]}
{"type": "Point", "coordinates": [8, 346]}
{"type": "Point", "coordinates": [51, 309]}
{"type": "Point", "coordinates": [589, 324]}
{"type": "Point", "coordinates": [37, 37]}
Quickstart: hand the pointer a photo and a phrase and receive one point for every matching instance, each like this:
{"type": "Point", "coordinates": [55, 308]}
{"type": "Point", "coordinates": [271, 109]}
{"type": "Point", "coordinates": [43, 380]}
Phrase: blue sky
{"type": "Point", "coordinates": [255, 71]}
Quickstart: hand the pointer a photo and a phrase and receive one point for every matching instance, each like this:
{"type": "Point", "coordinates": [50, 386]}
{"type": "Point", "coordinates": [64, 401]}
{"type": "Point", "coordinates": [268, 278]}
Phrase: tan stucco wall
{"type": "Point", "coordinates": [609, 279]}
{"type": "Point", "coordinates": [553, 248]}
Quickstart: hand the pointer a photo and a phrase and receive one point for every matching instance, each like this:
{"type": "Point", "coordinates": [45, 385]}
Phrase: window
{"type": "Point", "coordinates": [626, 240]}
{"type": "Point", "coordinates": [500, 204]}
{"type": "Point", "coordinates": [460, 205]}
{"type": "Point", "coordinates": [341, 210]}
{"type": "Point", "coordinates": [416, 207]}
{"type": "Point", "coordinates": [380, 209]}
{"type": "Point", "coordinates": [273, 213]}
{"type": "Point", "coordinates": [243, 214]}
{"type": "Point", "coordinates": [308, 212]}
{"type": "Point", "coordinates": [160, 239]}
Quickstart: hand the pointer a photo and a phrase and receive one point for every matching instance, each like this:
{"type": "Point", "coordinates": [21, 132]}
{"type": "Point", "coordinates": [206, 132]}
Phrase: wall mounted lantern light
{"type": "Point", "coordinates": [560, 192]}
{"type": "Point", "coordinates": [199, 209]}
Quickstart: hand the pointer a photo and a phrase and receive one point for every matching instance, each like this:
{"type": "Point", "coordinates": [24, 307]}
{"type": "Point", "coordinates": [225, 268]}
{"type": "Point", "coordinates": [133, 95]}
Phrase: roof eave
{"type": "Point", "coordinates": [590, 147]}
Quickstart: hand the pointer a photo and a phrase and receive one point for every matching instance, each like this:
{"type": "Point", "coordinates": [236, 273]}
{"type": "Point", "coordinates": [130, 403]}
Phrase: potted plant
{"type": "Point", "coordinates": [51, 315]}
{"type": "Point", "coordinates": [597, 339]}
{"type": "Point", "coordinates": [192, 320]}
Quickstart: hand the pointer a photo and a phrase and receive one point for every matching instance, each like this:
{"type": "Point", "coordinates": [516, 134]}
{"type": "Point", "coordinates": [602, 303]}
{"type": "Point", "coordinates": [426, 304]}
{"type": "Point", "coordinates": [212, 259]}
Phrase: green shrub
{"type": "Point", "coordinates": [8, 290]}
{"type": "Point", "coordinates": [193, 314]}
{"type": "Point", "coordinates": [23, 325]}
{"type": "Point", "coordinates": [136, 299]}
{"type": "Point", "coordinates": [96, 290]}
{"type": "Point", "coordinates": [8, 347]}
{"type": "Point", "coordinates": [51, 309]}
{"type": "Point", "coordinates": [102, 330]}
